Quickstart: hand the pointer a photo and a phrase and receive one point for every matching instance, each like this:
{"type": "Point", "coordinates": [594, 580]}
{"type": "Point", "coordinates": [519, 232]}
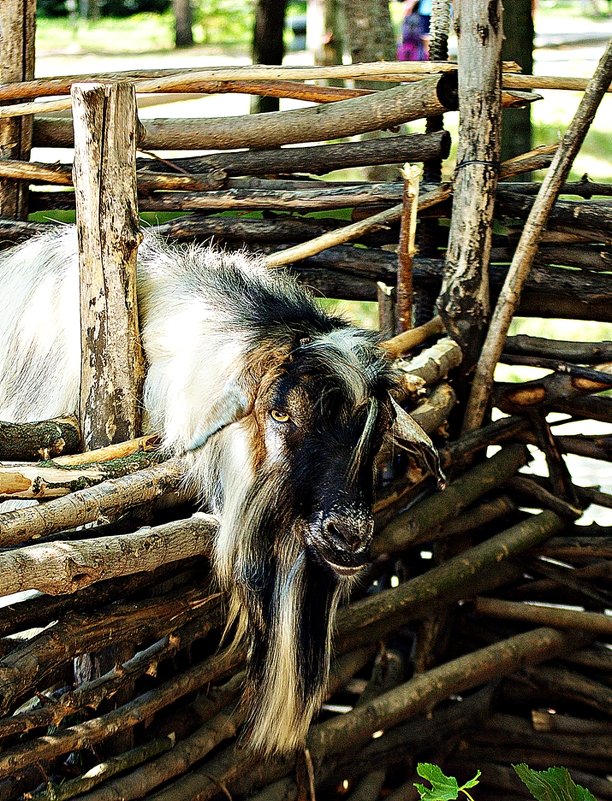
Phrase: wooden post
{"type": "Point", "coordinates": [386, 309]}
{"type": "Point", "coordinates": [464, 300]}
{"type": "Point", "coordinates": [112, 363]}
{"type": "Point", "coordinates": [112, 368]}
{"type": "Point", "coordinates": [17, 32]}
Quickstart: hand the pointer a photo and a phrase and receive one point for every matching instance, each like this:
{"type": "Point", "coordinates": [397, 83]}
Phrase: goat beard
{"type": "Point", "coordinates": [283, 603]}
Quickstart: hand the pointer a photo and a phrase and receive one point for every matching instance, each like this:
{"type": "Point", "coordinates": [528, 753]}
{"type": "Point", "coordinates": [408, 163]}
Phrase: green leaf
{"type": "Point", "coordinates": [554, 784]}
{"type": "Point", "coordinates": [472, 782]}
{"type": "Point", "coordinates": [443, 788]}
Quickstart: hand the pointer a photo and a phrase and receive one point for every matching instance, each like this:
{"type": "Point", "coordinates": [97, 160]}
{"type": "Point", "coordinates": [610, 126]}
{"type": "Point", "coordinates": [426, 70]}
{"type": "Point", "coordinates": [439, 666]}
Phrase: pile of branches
{"type": "Point", "coordinates": [438, 641]}
{"type": "Point", "coordinates": [477, 637]}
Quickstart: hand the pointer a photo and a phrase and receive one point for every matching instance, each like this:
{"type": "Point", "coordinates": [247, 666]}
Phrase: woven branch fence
{"type": "Point", "coordinates": [478, 637]}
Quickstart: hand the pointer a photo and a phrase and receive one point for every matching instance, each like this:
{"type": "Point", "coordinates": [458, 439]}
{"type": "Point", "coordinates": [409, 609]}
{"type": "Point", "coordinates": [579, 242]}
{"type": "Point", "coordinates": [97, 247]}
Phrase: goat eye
{"type": "Point", "coordinates": [280, 417]}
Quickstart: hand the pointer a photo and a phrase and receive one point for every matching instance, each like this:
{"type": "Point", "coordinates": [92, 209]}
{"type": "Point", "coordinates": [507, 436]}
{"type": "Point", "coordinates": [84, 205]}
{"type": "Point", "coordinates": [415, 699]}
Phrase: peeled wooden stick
{"type": "Point", "coordinates": [407, 340]}
{"type": "Point", "coordinates": [407, 247]}
{"type": "Point", "coordinates": [145, 444]}
{"type": "Point", "coordinates": [107, 500]}
{"type": "Point", "coordinates": [35, 481]}
{"type": "Point", "coordinates": [435, 363]}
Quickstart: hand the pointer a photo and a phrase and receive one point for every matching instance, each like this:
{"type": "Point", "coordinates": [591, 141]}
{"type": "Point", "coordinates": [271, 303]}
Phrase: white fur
{"type": "Point", "coordinates": [40, 342]}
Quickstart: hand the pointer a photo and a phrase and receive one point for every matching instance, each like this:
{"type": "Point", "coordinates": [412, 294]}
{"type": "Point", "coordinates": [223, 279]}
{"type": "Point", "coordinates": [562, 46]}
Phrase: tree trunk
{"type": "Point", "coordinates": [369, 32]}
{"type": "Point", "coordinates": [183, 18]}
{"type": "Point", "coordinates": [517, 46]}
{"type": "Point", "coordinates": [268, 47]}
{"type": "Point", "coordinates": [17, 30]}
{"type": "Point", "coordinates": [324, 31]}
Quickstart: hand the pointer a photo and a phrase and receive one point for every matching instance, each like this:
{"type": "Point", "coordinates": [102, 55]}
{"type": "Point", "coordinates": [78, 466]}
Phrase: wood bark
{"type": "Point", "coordinates": [425, 690]}
{"type": "Point", "coordinates": [41, 482]}
{"type": "Point", "coordinates": [64, 567]}
{"type": "Point", "coordinates": [414, 526]}
{"type": "Point", "coordinates": [233, 764]}
{"type": "Point", "coordinates": [43, 440]}
{"type": "Point", "coordinates": [582, 352]}
{"type": "Point", "coordinates": [106, 770]}
{"type": "Point", "coordinates": [183, 20]}
{"type": "Point", "coordinates": [92, 694]}
{"type": "Point", "coordinates": [107, 500]}
{"type": "Point", "coordinates": [17, 33]}
{"type": "Point", "coordinates": [593, 622]}
{"type": "Point", "coordinates": [148, 589]}
{"type": "Point", "coordinates": [211, 171]}
{"type": "Point", "coordinates": [464, 300]}
{"type": "Point", "coordinates": [112, 363]}
{"type": "Point", "coordinates": [131, 714]}
{"type": "Point", "coordinates": [368, 31]}
{"type": "Point", "coordinates": [518, 45]}
{"type": "Point", "coordinates": [384, 218]}
{"type": "Point", "coordinates": [220, 78]}
{"type": "Point", "coordinates": [479, 567]}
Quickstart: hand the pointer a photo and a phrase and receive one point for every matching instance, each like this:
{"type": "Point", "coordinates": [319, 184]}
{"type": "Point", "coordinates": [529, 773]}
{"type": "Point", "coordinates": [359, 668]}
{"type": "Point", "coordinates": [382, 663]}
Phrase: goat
{"type": "Point", "coordinates": [281, 409]}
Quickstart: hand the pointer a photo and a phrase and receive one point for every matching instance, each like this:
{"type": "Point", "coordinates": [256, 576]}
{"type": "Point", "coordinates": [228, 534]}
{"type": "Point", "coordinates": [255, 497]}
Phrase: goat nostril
{"type": "Point", "coordinates": [343, 534]}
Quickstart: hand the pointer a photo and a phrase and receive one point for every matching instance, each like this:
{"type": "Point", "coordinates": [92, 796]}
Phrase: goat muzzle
{"type": "Point", "coordinates": [342, 542]}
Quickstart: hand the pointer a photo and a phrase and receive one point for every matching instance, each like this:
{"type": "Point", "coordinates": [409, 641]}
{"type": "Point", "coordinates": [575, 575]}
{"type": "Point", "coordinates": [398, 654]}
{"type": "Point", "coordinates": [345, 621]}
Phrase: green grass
{"type": "Point", "coordinates": [215, 23]}
{"type": "Point", "coordinates": [550, 119]}
{"type": "Point", "coordinates": [140, 33]}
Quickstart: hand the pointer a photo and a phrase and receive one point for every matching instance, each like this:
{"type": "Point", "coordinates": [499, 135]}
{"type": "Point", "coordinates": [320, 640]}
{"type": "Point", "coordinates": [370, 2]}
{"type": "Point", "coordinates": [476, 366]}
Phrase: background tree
{"type": "Point", "coordinates": [518, 46]}
{"type": "Point", "coordinates": [324, 34]}
{"type": "Point", "coordinates": [183, 20]}
{"type": "Point", "coordinates": [369, 32]}
{"type": "Point", "coordinates": [268, 45]}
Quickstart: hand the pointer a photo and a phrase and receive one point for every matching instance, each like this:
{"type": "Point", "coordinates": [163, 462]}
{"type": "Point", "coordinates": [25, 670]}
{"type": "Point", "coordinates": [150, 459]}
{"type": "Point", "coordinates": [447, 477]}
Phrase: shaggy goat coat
{"type": "Point", "coordinates": [282, 409]}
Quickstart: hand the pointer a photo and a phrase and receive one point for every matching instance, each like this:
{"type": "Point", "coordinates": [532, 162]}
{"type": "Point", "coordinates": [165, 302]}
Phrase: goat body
{"type": "Point", "coordinates": [282, 409]}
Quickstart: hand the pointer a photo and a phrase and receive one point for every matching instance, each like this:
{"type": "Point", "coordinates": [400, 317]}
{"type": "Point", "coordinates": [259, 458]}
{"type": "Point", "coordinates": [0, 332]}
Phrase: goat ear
{"type": "Point", "coordinates": [409, 434]}
{"type": "Point", "coordinates": [232, 406]}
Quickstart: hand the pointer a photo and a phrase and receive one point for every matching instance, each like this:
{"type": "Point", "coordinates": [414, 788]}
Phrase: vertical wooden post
{"type": "Point", "coordinates": [464, 300]}
{"type": "Point", "coordinates": [17, 50]}
{"type": "Point", "coordinates": [112, 368]}
{"type": "Point", "coordinates": [112, 364]}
